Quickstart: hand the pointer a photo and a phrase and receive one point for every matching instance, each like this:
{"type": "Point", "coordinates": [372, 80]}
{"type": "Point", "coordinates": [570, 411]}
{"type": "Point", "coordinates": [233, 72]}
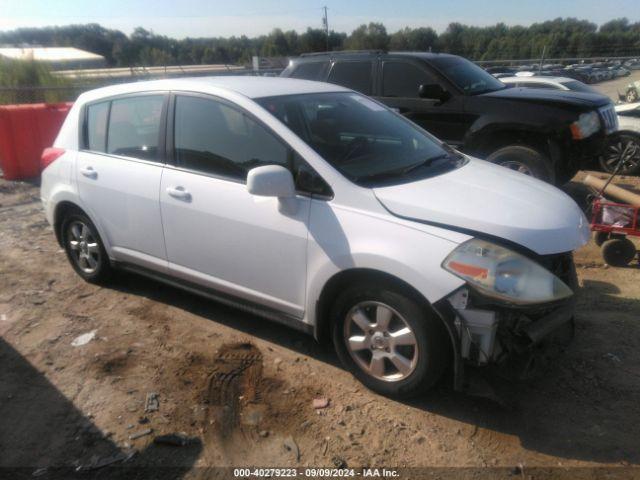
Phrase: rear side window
{"type": "Point", "coordinates": [309, 71]}
{"type": "Point", "coordinates": [213, 138]}
{"type": "Point", "coordinates": [97, 117]}
{"type": "Point", "coordinates": [402, 79]}
{"type": "Point", "coordinates": [134, 126]}
{"type": "Point", "coordinates": [354, 75]}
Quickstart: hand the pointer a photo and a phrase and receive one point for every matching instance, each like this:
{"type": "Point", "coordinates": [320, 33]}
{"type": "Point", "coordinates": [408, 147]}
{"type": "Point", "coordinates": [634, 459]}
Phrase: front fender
{"type": "Point", "coordinates": [484, 132]}
{"type": "Point", "coordinates": [343, 239]}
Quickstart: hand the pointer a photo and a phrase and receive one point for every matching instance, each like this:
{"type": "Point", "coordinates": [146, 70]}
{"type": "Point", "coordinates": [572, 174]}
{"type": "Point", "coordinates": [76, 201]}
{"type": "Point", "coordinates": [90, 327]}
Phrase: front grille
{"type": "Point", "coordinates": [609, 118]}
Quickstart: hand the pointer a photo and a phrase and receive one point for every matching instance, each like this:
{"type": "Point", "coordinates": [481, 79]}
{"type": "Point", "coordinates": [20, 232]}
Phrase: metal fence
{"type": "Point", "coordinates": [41, 94]}
{"type": "Point", "coordinates": [70, 92]}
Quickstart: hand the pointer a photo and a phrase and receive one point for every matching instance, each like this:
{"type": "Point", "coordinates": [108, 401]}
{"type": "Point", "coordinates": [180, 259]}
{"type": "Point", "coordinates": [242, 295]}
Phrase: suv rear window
{"type": "Point", "coordinates": [134, 126]}
{"type": "Point", "coordinates": [353, 75]}
{"type": "Point", "coordinates": [309, 71]}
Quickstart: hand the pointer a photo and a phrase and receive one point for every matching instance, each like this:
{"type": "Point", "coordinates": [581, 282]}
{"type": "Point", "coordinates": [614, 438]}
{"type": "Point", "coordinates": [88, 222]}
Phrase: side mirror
{"type": "Point", "coordinates": [432, 91]}
{"type": "Point", "coordinates": [271, 181]}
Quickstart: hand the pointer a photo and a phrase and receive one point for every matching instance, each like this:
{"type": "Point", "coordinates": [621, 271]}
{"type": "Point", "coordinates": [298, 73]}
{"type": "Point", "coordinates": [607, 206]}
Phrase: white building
{"type": "Point", "coordinates": [58, 58]}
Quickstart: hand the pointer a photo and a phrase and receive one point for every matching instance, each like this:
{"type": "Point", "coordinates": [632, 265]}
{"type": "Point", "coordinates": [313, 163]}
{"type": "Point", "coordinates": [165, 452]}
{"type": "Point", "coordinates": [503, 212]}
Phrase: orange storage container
{"type": "Point", "coordinates": [25, 131]}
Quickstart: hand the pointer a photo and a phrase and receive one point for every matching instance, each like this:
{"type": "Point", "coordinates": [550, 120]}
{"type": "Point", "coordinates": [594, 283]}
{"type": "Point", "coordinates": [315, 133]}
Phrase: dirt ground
{"type": "Point", "coordinates": [240, 389]}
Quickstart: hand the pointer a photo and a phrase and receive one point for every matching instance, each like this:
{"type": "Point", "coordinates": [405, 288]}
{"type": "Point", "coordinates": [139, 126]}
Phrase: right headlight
{"type": "Point", "coordinates": [504, 274]}
{"type": "Point", "coordinates": [586, 125]}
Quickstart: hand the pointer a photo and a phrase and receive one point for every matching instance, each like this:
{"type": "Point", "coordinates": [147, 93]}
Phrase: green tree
{"type": "Point", "coordinates": [368, 37]}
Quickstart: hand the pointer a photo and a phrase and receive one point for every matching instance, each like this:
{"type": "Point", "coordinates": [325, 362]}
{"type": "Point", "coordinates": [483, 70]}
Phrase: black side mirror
{"type": "Point", "coordinates": [432, 91]}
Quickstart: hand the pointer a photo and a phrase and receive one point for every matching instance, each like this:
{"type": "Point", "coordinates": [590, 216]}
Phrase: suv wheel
{"type": "Point", "coordinates": [84, 248]}
{"type": "Point", "coordinates": [525, 160]}
{"type": "Point", "coordinates": [389, 341]}
{"type": "Point", "coordinates": [618, 145]}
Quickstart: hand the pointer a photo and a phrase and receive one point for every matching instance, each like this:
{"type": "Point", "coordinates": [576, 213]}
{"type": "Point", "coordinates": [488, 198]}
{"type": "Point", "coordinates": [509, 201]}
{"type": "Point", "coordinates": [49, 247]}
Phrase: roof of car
{"type": "Point", "coordinates": [248, 86]}
{"type": "Point", "coordinates": [321, 56]}
{"type": "Point", "coordinates": [537, 79]}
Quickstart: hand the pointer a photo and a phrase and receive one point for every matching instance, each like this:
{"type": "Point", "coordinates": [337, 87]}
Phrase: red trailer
{"type": "Point", "coordinates": [613, 223]}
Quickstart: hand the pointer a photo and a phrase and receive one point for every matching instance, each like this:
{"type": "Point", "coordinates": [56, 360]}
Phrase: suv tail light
{"type": "Point", "coordinates": [49, 155]}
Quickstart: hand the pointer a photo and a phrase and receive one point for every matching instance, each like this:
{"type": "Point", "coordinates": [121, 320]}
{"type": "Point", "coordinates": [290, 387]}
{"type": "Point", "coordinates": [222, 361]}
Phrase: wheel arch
{"type": "Point", "coordinates": [322, 326]}
{"type": "Point", "coordinates": [484, 142]}
{"type": "Point", "coordinates": [64, 208]}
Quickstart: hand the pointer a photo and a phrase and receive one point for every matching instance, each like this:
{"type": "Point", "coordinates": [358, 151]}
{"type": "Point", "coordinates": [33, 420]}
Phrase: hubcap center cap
{"type": "Point", "coordinates": [378, 341]}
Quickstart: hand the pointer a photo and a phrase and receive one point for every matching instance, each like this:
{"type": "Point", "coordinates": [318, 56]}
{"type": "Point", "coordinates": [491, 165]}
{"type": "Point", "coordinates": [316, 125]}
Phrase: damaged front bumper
{"type": "Point", "coordinates": [516, 341]}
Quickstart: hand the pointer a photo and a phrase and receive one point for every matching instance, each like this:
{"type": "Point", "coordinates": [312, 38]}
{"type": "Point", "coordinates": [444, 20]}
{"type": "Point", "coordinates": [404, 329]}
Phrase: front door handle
{"type": "Point", "coordinates": [179, 193]}
{"type": "Point", "coordinates": [89, 172]}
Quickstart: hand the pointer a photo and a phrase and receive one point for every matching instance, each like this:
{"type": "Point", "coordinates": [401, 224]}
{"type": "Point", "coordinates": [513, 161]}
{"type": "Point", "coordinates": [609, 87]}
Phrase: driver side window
{"type": "Point", "coordinates": [214, 138]}
{"type": "Point", "coordinates": [402, 79]}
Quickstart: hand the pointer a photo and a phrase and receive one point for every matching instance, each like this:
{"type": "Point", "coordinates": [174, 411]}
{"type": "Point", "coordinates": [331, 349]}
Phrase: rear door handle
{"type": "Point", "coordinates": [89, 172]}
{"type": "Point", "coordinates": [179, 193]}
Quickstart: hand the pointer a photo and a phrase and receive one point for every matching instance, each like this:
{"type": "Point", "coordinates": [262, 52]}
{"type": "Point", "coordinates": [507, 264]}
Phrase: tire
{"type": "Point", "coordinates": [615, 146]}
{"type": "Point", "coordinates": [526, 160]}
{"type": "Point", "coordinates": [600, 237]}
{"type": "Point", "coordinates": [85, 249]}
{"type": "Point", "coordinates": [423, 356]}
{"type": "Point", "coordinates": [632, 95]}
{"type": "Point", "coordinates": [618, 252]}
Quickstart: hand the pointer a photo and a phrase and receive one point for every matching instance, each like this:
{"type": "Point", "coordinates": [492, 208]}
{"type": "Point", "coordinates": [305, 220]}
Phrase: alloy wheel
{"type": "Point", "coordinates": [84, 247]}
{"type": "Point", "coordinates": [380, 341]}
{"type": "Point", "coordinates": [623, 146]}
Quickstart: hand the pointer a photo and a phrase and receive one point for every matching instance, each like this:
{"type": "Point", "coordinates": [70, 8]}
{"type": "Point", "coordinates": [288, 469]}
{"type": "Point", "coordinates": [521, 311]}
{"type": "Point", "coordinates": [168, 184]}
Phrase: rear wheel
{"type": "Point", "coordinates": [524, 159]}
{"type": "Point", "coordinates": [618, 252]}
{"type": "Point", "coordinates": [632, 95]}
{"type": "Point", "coordinates": [84, 248]}
{"type": "Point", "coordinates": [388, 340]}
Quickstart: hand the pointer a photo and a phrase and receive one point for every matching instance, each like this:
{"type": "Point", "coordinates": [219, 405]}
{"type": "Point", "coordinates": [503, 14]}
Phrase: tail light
{"type": "Point", "coordinates": [50, 155]}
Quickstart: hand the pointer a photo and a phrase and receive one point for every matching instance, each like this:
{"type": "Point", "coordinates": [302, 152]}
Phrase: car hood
{"type": "Point", "coordinates": [548, 96]}
{"type": "Point", "coordinates": [482, 198]}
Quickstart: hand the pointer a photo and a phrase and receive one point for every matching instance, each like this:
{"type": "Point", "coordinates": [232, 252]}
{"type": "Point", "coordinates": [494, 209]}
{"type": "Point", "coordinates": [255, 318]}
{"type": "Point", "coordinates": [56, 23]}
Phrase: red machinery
{"type": "Point", "coordinates": [25, 131]}
{"type": "Point", "coordinates": [614, 222]}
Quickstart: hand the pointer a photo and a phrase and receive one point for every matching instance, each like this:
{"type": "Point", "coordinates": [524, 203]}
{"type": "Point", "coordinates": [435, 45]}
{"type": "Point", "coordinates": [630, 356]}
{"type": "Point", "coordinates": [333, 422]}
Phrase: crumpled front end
{"type": "Point", "coordinates": [514, 340]}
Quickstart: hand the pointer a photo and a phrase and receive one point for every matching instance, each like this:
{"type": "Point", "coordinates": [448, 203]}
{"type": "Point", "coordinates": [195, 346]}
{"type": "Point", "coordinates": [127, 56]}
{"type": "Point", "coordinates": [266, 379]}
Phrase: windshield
{"type": "Point", "coordinates": [466, 75]}
{"type": "Point", "coordinates": [577, 86]}
{"type": "Point", "coordinates": [364, 140]}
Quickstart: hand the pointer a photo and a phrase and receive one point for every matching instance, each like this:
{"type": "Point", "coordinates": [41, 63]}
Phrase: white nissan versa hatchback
{"type": "Point", "coordinates": [310, 204]}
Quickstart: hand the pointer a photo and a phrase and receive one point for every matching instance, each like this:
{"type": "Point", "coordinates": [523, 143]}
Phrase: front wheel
{"type": "Point", "coordinates": [524, 159]}
{"type": "Point", "coordinates": [389, 341]}
{"type": "Point", "coordinates": [632, 95]}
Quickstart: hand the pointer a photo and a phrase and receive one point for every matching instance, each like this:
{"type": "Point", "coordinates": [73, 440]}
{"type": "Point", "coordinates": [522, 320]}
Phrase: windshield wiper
{"type": "Point", "coordinates": [425, 163]}
{"type": "Point", "coordinates": [404, 170]}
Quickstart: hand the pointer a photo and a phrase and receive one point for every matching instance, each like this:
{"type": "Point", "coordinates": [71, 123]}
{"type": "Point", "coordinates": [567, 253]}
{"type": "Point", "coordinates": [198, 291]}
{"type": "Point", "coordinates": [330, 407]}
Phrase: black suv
{"type": "Point", "coordinates": [545, 133]}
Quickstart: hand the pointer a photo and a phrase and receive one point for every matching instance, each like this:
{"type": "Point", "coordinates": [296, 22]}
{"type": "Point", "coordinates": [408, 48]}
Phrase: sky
{"type": "Point", "coordinates": [212, 18]}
